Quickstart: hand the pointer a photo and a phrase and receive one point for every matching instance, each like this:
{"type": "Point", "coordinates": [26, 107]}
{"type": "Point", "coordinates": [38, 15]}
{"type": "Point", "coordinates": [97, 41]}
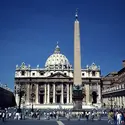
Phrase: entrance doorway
{"type": "Point", "coordinates": [94, 97]}
{"type": "Point", "coordinates": [58, 98]}
{"type": "Point", "coordinates": [51, 100]}
{"type": "Point", "coordinates": [64, 100]}
{"type": "Point", "coordinates": [41, 99]}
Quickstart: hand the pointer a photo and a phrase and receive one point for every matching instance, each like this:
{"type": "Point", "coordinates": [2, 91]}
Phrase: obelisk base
{"type": "Point", "coordinates": [77, 105]}
{"type": "Point", "coordinates": [77, 97]}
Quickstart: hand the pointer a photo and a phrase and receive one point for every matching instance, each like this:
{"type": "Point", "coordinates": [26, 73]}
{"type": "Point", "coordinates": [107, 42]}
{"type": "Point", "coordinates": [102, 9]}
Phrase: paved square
{"type": "Point", "coordinates": [53, 122]}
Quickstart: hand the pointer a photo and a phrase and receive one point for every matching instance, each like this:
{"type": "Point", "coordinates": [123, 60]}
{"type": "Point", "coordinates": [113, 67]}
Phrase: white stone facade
{"type": "Point", "coordinates": [52, 85]}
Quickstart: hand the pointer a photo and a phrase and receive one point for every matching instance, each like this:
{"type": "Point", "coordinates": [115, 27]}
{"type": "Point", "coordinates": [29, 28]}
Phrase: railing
{"type": "Point", "coordinates": [5, 87]}
{"type": "Point", "coordinates": [114, 88]}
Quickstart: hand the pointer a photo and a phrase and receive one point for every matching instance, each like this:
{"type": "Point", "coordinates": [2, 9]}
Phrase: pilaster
{"type": "Point", "coordinates": [53, 92]}
{"type": "Point", "coordinates": [120, 100]}
{"type": "Point", "coordinates": [45, 93]}
{"type": "Point", "coordinates": [67, 93]}
{"type": "Point", "coordinates": [37, 91]}
{"type": "Point", "coordinates": [87, 92]}
{"type": "Point", "coordinates": [28, 94]}
{"type": "Point", "coordinates": [62, 96]}
{"type": "Point", "coordinates": [99, 93]}
{"type": "Point", "coordinates": [48, 98]}
{"type": "Point", "coordinates": [71, 93]}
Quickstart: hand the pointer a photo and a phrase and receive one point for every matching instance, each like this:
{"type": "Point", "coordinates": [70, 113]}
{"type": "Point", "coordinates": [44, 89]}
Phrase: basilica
{"type": "Point", "coordinates": [51, 86]}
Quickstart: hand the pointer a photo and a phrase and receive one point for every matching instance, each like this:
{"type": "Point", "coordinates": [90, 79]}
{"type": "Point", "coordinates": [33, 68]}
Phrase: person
{"type": "Point", "coordinates": [3, 116]}
{"type": "Point", "coordinates": [10, 115]}
{"type": "Point", "coordinates": [115, 118]}
{"type": "Point", "coordinates": [119, 116]}
{"type": "Point", "coordinates": [110, 117]}
{"type": "Point", "coordinates": [87, 116]}
{"type": "Point", "coordinates": [92, 116]}
{"type": "Point", "coordinates": [78, 117]}
{"type": "Point", "coordinates": [32, 114]}
{"type": "Point", "coordinates": [0, 115]}
{"type": "Point", "coordinates": [67, 116]}
{"type": "Point", "coordinates": [122, 118]}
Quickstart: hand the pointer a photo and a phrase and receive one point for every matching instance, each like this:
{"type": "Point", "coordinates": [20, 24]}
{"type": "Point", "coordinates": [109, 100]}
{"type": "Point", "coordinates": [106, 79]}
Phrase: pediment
{"type": "Point", "coordinates": [58, 75]}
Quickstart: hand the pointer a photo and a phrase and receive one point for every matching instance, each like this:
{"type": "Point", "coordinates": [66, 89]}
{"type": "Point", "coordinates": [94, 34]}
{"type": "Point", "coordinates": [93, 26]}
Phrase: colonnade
{"type": "Point", "coordinates": [116, 101]}
{"type": "Point", "coordinates": [50, 93]}
{"type": "Point", "coordinates": [47, 93]}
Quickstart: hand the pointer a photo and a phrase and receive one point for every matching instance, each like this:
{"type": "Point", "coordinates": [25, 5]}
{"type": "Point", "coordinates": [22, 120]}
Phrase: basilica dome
{"type": "Point", "coordinates": [57, 60]}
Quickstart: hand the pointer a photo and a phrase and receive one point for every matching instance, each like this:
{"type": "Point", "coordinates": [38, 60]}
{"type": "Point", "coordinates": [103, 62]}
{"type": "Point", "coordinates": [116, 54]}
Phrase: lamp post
{"type": "Point", "coordinates": [111, 100]}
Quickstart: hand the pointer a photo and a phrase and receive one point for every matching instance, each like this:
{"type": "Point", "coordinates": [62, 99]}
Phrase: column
{"type": "Point", "coordinates": [48, 94]}
{"type": "Point", "coordinates": [44, 93]}
{"type": "Point", "coordinates": [115, 102]}
{"type": "Point", "coordinates": [17, 95]}
{"type": "Point", "coordinates": [107, 101]}
{"type": "Point", "coordinates": [90, 91]}
{"type": "Point", "coordinates": [124, 100]}
{"type": "Point", "coordinates": [27, 93]}
{"type": "Point", "coordinates": [99, 93]}
{"type": "Point", "coordinates": [62, 96]}
{"type": "Point", "coordinates": [53, 92]}
{"type": "Point", "coordinates": [71, 93]}
{"type": "Point", "coordinates": [37, 91]}
{"type": "Point", "coordinates": [120, 100]}
{"type": "Point", "coordinates": [67, 93]}
{"type": "Point", "coordinates": [87, 90]}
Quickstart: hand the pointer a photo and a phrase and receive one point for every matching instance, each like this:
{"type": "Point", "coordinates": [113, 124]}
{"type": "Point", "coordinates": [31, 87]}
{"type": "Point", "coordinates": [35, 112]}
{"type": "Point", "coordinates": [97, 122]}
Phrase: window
{"type": "Point", "coordinates": [93, 73]}
{"type": "Point", "coordinates": [51, 73]}
{"type": "Point", "coordinates": [23, 73]}
{"type": "Point", "coordinates": [65, 74]}
{"type": "Point", "coordinates": [83, 74]}
{"type": "Point", "coordinates": [33, 74]}
{"type": "Point", "coordinates": [41, 73]}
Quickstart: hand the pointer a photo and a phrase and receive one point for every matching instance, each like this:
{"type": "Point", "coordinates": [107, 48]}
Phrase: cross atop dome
{"type": "Point", "coordinates": [76, 15]}
{"type": "Point", "coordinates": [57, 49]}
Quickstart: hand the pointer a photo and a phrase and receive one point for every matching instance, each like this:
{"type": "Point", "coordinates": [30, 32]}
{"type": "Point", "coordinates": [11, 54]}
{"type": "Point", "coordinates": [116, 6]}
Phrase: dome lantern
{"type": "Point", "coordinates": [57, 49]}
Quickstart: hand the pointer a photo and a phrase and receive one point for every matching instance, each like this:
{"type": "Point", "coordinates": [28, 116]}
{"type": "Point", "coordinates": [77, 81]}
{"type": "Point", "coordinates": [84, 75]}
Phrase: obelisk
{"type": "Point", "coordinates": [77, 87]}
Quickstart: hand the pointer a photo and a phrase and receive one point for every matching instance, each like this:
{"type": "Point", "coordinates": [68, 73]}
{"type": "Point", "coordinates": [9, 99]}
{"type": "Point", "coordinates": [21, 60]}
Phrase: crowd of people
{"type": "Point", "coordinates": [116, 117]}
{"type": "Point", "coordinates": [113, 117]}
{"type": "Point", "coordinates": [11, 113]}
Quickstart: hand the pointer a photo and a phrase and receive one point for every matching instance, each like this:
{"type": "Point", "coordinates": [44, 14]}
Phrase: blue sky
{"type": "Point", "coordinates": [29, 30]}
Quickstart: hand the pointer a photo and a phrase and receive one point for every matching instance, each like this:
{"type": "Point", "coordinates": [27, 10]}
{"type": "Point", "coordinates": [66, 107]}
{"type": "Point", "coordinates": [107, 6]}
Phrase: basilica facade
{"type": "Point", "coordinates": [51, 86]}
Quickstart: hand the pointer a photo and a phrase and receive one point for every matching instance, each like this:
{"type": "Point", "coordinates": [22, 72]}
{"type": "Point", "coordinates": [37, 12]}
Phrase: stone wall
{"type": "Point", "coordinates": [7, 98]}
